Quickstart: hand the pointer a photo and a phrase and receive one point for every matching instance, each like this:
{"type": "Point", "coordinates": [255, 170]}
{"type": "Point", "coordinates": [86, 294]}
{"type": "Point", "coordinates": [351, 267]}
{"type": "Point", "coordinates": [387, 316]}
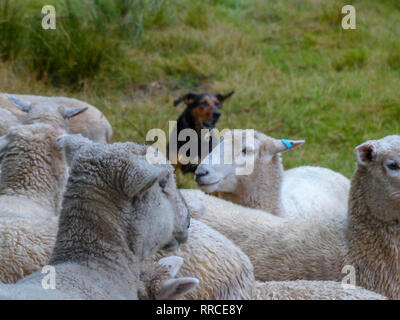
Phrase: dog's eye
{"type": "Point", "coordinates": [393, 165]}
{"type": "Point", "coordinates": [204, 104]}
{"type": "Point", "coordinates": [244, 151]}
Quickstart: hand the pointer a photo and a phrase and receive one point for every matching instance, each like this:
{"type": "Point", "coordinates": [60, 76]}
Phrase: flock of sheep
{"type": "Point", "coordinates": [107, 219]}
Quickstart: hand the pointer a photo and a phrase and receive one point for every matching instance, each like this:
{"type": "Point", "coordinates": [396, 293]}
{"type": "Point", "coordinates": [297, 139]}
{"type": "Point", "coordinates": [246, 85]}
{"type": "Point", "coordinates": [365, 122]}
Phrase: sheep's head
{"type": "Point", "coordinates": [149, 206]}
{"type": "Point", "coordinates": [223, 169]}
{"type": "Point", "coordinates": [159, 282]}
{"type": "Point", "coordinates": [35, 143]}
{"type": "Point", "coordinates": [379, 167]}
{"type": "Point", "coordinates": [46, 112]}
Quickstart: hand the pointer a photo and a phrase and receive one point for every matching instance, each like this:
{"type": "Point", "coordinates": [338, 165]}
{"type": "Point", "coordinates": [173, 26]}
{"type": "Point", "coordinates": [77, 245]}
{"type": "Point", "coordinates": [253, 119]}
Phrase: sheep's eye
{"type": "Point", "coordinates": [393, 165]}
{"type": "Point", "coordinates": [163, 182]}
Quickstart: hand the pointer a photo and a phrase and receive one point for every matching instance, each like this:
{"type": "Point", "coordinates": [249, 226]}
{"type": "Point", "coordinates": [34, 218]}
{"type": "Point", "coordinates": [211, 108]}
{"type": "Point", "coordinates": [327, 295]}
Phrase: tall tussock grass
{"type": "Point", "coordinates": [89, 35]}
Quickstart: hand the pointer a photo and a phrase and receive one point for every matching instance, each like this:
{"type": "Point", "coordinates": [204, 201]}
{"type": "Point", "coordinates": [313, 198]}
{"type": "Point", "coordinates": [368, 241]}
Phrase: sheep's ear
{"type": "Point", "coordinates": [71, 143]}
{"type": "Point", "coordinates": [173, 263]}
{"type": "Point", "coordinates": [222, 97]}
{"type": "Point", "coordinates": [286, 145]}
{"type": "Point", "coordinates": [366, 153]}
{"type": "Point", "coordinates": [174, 288]}
{"type": "Point", "coordinates": [20, 104]}
{"type": "Point", "coordinates": [143, 175]}
{"type": "Point", "coordinates": [69, 113]}
{"type": "Point", "coordinates": [196, 209]}
{"type": "Point", "coordinates": [3, 146]}
{"type": "Point", "coordinates": [188, 98]}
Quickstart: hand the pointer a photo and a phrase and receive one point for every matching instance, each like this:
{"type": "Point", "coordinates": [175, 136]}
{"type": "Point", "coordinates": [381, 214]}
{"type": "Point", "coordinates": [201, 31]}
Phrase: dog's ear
{"type": "Point", "coordinates": [188, 98]}
{"type": "Point", "coordinates": [222, 97]}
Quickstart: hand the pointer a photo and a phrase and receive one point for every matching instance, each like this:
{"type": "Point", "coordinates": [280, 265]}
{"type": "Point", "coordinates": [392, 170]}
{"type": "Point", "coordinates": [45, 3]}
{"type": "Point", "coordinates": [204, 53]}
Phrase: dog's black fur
{"type": "Point", "coordinates": [202, 112]}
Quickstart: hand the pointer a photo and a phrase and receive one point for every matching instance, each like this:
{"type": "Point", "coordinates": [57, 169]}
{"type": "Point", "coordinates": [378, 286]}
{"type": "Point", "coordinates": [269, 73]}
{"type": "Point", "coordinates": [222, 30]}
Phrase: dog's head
{"type": "Point", "coordinates": [205, 107]}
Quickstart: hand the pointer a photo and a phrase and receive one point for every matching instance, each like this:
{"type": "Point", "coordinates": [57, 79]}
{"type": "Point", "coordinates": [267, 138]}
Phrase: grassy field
{"type": "Point", "coordinates": [293, 67]}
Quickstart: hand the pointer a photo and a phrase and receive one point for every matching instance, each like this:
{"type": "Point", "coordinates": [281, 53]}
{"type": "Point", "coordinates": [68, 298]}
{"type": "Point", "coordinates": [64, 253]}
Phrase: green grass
{"type": "Point", "coordinates": [289, 62]}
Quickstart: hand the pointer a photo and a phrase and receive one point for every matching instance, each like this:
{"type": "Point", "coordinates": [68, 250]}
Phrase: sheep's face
{"type": "Point", "coordinates": [142, 197]}
{"type": "Point", "coordinates": [46, 112]}
{"type": "Point", "coordinates": [379, 161]}
{"type": "Point", "coordinates": [169, 191]}
{"type": "Point", "coordinates": [224, 169]}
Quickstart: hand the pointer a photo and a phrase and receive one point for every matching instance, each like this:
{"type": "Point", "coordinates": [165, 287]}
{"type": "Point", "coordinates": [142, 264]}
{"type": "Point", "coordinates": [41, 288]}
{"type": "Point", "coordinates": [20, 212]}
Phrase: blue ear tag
{"type": "Point", "coordinates": [287, 143]}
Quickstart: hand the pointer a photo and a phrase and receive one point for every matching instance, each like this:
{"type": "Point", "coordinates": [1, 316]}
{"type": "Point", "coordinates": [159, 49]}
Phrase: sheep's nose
{"type": "Point", "coordinates": [182, 236]}
{"type": "Point", "coordinates": [201, 172]}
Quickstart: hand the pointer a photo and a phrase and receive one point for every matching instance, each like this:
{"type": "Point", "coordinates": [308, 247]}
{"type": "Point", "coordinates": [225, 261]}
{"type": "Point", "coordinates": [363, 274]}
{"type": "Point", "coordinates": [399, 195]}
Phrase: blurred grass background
{"type": "Point", "coordinates": [289, 61]}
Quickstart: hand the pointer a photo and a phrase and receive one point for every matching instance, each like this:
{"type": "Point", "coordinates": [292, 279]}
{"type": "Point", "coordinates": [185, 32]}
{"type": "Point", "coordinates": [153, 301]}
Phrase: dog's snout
{"type": "Point", "coordinates": [216, 115]}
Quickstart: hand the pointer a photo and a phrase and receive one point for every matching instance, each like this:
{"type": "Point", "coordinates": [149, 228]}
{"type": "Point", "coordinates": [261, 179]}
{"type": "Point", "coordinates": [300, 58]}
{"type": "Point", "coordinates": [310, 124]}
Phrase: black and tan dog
{"type": "Point", "coordinates": [202, 112]}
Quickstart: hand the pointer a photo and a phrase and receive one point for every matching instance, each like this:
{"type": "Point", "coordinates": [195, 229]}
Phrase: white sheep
{"type": "Point", "coordinates": [296, 193]}
{"type": "Point", "coordinates": [225, 271]}
{"type": "Point", "coordinates": [231, 275]}
{"type": "Point", "coordinates": [91, 124]}
{"type": "Point", "coordinates": [319, 248]}
{"type": "Point", "coordinates": [33, 171]}
{"type": "Point", "coordinates": [117, 211]}
{"type": "Point", "coordinates": [280, 249]}
{"type": "Point", "coordinates": [32, 181]}
{"type": "Point", "coordinates": [26, 236]}
{"type": "Point", "coordinates": [220, 254]}
{"type": "Point", "coordinates": [373, 237]}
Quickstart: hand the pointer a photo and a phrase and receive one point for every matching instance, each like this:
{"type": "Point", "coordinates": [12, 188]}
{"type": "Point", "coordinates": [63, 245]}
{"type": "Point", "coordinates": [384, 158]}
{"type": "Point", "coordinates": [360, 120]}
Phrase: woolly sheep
{"type": "Point", "coordinates": [91, 124]}
{"type": "Point", "coordinates": [280, 249]}
{"type": "Point", "coordinates": [117, 211]}
{"type": "Point", "coordinates": [36, 235]}
{"type": "Point", "coordinates": [373, 228]}
{"type": "Point", "coordinates": [225, 272]}
{"type": "Point", "coordinates": [33, 171]}
{"type": "Point", "coordinates": [220, 254]}
{"type": "Point", "coordinates": [297, 193]}
{"type": "Point", "coordinates": [231, 276]}
{"type": "Point", "coordinates": [31, 186]}
{"type": "Point", "coordinates": [318, 249]}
